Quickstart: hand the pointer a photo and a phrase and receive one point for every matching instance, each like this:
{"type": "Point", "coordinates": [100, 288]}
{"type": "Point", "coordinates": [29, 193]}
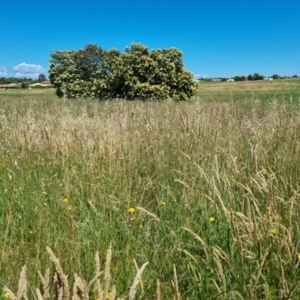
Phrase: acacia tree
{"type": "Point", "coordinates": [135, 74]}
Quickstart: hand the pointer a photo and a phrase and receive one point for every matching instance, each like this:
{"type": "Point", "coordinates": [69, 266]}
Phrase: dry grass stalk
{"type": "Point", "coordinates": [158, 296]}
{"type": "Point", "coordinates": [218, 194]}
{"type": "Point", "coordinates": [93, 281]}
{"type": "Point", "coordinates": [11, 295]}
{"type": "Point", "coordinates": [189, 255]}
{"type": "Point", "coordinates": [217, 287]}
{"type": "Point", "coordinates": [107, 274]}
{"type": "Point", "coordinates": [92, 206]}
{"type": "Point", "coordinates": [22, 288]}
{"type": "Point", "coordinates": [38, 294]}
{"type": "Point", "coordinates": [215, 168]}
{"type": "Point", "coordinates": [176, 287]}
{"type": "Point", "coordinates": [283, 281]}
{"type": "Point", "coordinates": [292, 208]}
{"type": "Point", "coordinates": [233, 294]}
{"type": "Point", "coordinates": [113, 293]}
{"type": "Point", "coordinates": [45, 282]}
{"type": "Point", "coordinates": [245, 231]}
{"type": "Point", "coordinates": [136, 281]}
{"type": "Point", "coordinates": [156, 218]}
{"type": "Point", "coordinates": [255, 204]}
{"type": "Point", "coordinates": [220, 272]}
{"type": "Point", "coordinates": [98, 272]}
{"type": "Point", "coordinates": [61, 280]}
{"type": "Point", "coordinates": [198, 238]}
{"type": "Point", "coordinates": [184, 184]}
{"type": "Point", "coordinates": [61, 294]}
{"type": "Point", "coordinates": [97, 261]}
{"type": "Point", "coordinates": [100, 292]}
{"type": "Point", "coordinates": [58, 289]}
{"type": "Point", "coordinates": [137, 269]}
{"type": "Point", "coordinates": [79, 289]}
{"type": "Point", "coordinates": [253, 225]}
{"type": "Point", "coordinates": [6, 235]}
{"type": "Point", "coordinates": [221, 254]}
{"type": "Point", "coordinates": [261, 266]}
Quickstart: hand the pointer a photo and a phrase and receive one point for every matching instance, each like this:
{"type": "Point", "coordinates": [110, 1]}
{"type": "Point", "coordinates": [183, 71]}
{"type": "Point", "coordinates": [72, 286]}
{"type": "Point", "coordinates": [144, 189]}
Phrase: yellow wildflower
{"type": "Point", "coordinates": [31, 232]}
{"type": "Point", "coordinates": [65, 200]}
{"type": "Point", "coordinates": [131, 210]}
{"type": "Point", "coordinates": [264, 172]}
{"type": "Point", "coordinates": [69, 207]}
{"type": "Point", "coordinates": [212, 219]}
{"type": "Point", "coordinates": [6, 295]}
{"type": "Point", "coordinates": [274, 231]}
{"type": "Point", "coordinates": [163, 202]}
{"type": "Point", "coordinates": [150, 184]}
{"type": "Point", "coordinates": [298, 256]}
{"type": "Point", "coordinates": [106, 297]}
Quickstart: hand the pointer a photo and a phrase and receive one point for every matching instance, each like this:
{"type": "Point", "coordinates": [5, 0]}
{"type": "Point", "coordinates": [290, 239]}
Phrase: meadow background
{"type": "Point", "coordinates": [206, 191]}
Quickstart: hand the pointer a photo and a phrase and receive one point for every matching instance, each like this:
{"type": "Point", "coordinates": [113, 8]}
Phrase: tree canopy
{"type": "Point", "coordinates": [137, 73]}
{"type": "Point", "coordinates": [42, 77]}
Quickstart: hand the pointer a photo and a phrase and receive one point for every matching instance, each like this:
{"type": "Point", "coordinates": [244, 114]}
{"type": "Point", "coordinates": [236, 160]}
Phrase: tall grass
{"type": "Point", "coordinates": [206, 192]}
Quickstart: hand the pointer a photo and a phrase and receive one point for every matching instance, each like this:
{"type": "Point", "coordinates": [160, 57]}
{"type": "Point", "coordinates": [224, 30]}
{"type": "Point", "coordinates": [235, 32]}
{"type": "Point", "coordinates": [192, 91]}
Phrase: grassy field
{"type": "Point", "coordinates": [281, 90]}
{"type": "Point", "coordinates": [207, 192]}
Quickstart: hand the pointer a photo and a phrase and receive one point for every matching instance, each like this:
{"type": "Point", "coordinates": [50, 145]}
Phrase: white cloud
{"type": "Point", "coordinates": [200, 75]}
{"type": "Point", "coordinates": [3, 71]}
{"type": "Point", "coordinates": [29, 70]}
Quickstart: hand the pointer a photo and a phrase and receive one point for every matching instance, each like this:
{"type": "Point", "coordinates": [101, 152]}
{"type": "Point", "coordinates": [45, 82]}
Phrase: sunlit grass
{"type": "Point", "coordinates": [210, 187]}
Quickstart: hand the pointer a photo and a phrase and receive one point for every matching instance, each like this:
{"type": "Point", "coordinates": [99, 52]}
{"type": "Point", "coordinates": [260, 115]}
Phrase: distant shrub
{"type": "Point", "coordinates": [24, 85]}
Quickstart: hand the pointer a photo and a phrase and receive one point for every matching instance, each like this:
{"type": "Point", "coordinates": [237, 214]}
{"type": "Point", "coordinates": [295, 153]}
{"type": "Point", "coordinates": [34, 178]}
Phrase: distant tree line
{"type": "Point", "coordinates": [255, 76]}
{"type": "Point", "coordinates": [136, 73]}
{"type": "Point", "coordinates": [8, 80]}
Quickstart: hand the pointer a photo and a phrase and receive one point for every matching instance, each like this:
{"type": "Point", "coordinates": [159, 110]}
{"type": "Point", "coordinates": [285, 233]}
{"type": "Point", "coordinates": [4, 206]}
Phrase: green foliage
{"type": "Point", "coordinates": [204, 79]}
{"type": "Point", "coordinates": [24, 85]}
{"type": "Point", "coordinates": [41, 78]}
{"type": "Point", "coordinates": [8, 80]}
{"type": "Point", "coordinates": [239, 78]}
{"type": "Point", "coordinates": [256, 76]}
{"type": "Point", "coordinates": [138, 73]}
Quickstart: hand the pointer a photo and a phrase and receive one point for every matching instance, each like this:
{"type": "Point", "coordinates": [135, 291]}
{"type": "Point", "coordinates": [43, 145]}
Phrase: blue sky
{"type": "Point", "coordinates": [218, 38]}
